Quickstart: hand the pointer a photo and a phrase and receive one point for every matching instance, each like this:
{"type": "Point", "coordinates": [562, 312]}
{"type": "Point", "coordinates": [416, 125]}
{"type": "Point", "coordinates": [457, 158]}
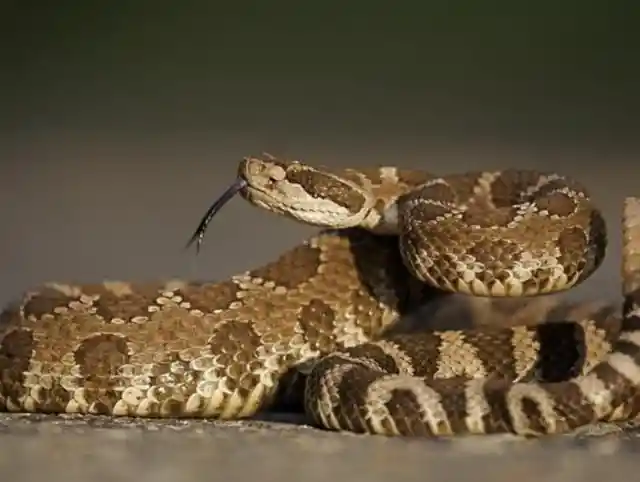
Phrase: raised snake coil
{"type": "Point", "coordinates": [317, 326]}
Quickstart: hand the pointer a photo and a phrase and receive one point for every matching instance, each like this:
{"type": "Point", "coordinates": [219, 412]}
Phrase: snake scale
{"type": "Point", "coordinates": [315, 327]}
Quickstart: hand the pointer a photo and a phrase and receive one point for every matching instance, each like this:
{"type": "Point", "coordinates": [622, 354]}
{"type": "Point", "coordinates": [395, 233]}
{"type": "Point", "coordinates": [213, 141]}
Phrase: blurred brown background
{"type": "Point", "coordinates": [121, 121]}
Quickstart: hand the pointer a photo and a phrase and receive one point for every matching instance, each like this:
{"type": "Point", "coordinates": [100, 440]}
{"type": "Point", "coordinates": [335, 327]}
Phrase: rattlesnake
{"type": "Point", "coordinates": [316, 326]}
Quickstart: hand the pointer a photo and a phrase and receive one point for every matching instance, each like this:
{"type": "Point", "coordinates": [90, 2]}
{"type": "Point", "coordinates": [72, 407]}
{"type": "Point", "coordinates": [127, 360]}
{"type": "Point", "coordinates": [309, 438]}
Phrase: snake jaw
{"type": "Point", "coordinates": [316, 212]}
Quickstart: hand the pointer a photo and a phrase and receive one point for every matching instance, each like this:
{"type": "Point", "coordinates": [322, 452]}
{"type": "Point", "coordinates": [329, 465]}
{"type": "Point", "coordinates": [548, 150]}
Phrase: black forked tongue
{"type": "Point", "coordinates": [198, 235]}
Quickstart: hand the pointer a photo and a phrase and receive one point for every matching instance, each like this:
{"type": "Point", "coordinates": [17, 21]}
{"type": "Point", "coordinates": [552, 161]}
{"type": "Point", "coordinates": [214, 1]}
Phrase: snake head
{"type": "Point", "coordinates": [313, 195]}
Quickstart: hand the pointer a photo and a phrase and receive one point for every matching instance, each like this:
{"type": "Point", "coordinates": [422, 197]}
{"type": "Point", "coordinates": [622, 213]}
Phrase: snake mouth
{"type": "Point", "coordinates": [197, 237]}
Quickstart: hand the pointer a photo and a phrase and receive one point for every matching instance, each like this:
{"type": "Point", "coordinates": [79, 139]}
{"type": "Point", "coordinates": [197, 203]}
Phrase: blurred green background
{"type": "Point", "coordinates": [308, 70]}
{"type": "Point", "coordinates": [122, 120]}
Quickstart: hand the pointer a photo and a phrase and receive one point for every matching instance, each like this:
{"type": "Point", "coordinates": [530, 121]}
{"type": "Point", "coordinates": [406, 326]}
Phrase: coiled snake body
{"type": "Point", "coordinates": [316, 326]}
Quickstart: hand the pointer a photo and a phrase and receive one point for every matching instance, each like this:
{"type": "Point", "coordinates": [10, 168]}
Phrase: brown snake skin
{"type": "Point", "coordinates": [317, 327]}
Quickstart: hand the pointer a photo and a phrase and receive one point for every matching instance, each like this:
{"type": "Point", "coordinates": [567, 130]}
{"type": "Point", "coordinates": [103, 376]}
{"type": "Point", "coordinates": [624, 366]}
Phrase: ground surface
{"type": "Point", "coordinates": [57, 449]}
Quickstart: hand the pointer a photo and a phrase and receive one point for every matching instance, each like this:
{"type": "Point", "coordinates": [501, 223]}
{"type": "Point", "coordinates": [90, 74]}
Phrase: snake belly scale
{"type": "Point", "coordinates": [317, 325]}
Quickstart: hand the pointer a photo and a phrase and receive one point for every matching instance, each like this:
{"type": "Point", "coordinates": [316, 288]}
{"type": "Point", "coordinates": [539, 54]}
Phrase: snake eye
{"type": "Point", "coordinates": [276, 173]}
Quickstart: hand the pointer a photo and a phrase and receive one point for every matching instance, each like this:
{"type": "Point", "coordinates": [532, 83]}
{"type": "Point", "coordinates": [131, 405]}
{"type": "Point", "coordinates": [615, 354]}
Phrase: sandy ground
{"type": "Point", "coordinates": [34, 448]}
{"type": "Point", "coordinates": [119, 129]}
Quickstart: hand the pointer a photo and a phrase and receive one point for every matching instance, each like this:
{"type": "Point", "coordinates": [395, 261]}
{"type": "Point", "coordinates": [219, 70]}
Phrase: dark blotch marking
{"type": "Point", "coordinates": [421, 348]}
{"type": "Point", "coordinates": [209, 297]}
{"type": "Point", "coordinates": [557, 203]}
{"type": "Point", "coordinates": [487, 218]}
{"type": "Point", "coordinates": [562, 351]}
{"type": "Point", "coordinates": [598, 238]}
{"type": "Point", "coordinates": [292, 268]}
{"type": "Point", "coordinates": [125, 306]}
{"type": "Point", "coordinates": [414, 216]}
{"type": "Point", "coordinates": [16, 348]}
{"type": "Point", "coordinates": [630, 349]}
{"type": "Point", "coordinates": [499, 417]}
{"type": "Point", "coordinates": [428, 211]}
{"type": "Point", "coordinates": [45, 301]}
{"type": "Point", "coordinates": [631, 301]}
{"type": "Point", "coordinates": [454, 401]}
{"type": "Point", "coordinates": [235, 345]}
{"type": "Point", "coordinates": [98, 358]}
{"type": "Point", "coordinates": [562, 183]}
{"type": "Point", "coordinates": [406, 412]}
{"type": "Point", "coordinates": [464, 185]}
{"type": "Point", "coordinates": [324, 186]}
{"type": "Point", "coordinates": [352, 391]}
{"type": "Point", "coordinates": [509, 187]}
{"type": "Point", "coordinates": [573, 409]}
{"type": "Point", "coordinates": [289, 396]}
{"type": "Point", "coordinates": [495, 350]}
{"type": "Point", "coordinates": [534, 416]}
{"type": "Point", "coordinates": [572, 244]}
{"type": "Point", "coordinates": [374, 352]}
{"type": "Point", "coordinates": [317, 320]}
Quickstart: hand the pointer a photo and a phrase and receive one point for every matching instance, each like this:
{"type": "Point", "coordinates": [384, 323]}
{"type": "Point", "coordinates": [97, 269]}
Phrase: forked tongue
{"type": "Point", "coordinates": [198, 236]}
